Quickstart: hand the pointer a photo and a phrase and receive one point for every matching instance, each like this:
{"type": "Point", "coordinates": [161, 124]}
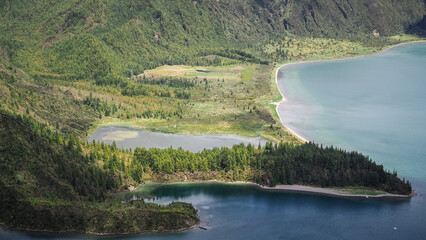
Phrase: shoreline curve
{"type": "Point", "coordinates": [284, 99]}
{"type": "Point", "coordinates": [299, 189]}
{"type": "Point", "coordinates": [331, 192]}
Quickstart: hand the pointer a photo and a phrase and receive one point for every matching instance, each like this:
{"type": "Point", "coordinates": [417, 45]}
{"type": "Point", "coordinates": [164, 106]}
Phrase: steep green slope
{"type": "Point", "coordinates": [132, 36]}
{"type": "Point", "coordinates": [348, 18]}
{"type": "Point", "coordinates": [48, 183]}
{"type": "Point", "coordinates": [20, 93]}
{"type": "Point", "coordinates": [116, 38]}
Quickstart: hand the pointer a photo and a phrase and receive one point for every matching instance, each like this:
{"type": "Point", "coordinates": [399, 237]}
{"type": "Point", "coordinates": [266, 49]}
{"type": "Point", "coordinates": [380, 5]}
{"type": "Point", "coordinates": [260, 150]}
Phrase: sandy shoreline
{"type": "Point", "coordinates": [283, 99]}
{"type": "Point", "coordinates": [323, 191]}
{"type": "Point", "coordinates": [302, 189]}
{"type": "Point", "coordinates": [331, 192]}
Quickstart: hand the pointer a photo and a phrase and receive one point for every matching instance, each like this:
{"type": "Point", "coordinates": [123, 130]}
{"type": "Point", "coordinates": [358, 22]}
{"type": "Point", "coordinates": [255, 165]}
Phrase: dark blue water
{"type": "Point", "coordinates": [374, 105]}
{"type": "Point", "coordinates": [232, 211]}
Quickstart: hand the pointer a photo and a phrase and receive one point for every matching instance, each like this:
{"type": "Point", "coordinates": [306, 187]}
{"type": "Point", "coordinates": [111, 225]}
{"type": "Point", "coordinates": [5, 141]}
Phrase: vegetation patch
{"type": "Point", "coordinates": [51, 182]}
{"type": "Point", "coordinates": [231, 72]}
{"type": "Point", "coordinates": [362, 191]}
{"type": "Point", "coordinates": [119, 135]}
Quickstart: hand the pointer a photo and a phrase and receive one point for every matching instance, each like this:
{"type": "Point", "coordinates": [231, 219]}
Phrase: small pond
{"type": "Point", "coordinates": [132, 138]}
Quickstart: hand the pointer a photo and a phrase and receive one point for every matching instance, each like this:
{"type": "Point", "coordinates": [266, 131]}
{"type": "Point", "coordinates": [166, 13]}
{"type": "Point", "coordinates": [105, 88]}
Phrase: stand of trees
{"type": "Point", "coordinates": [75, 170]}
{"type": "Point", "coordinates": [49, 183]}
{"type": "Point", "coordinates": [307, 164]}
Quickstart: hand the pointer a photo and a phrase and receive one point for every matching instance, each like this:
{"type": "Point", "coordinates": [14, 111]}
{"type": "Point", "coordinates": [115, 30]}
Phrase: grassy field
{"type": "Point", "coordinates": [232, 72]}
{"type": "Point", "coordinates": [224, 101]}
{"type": "Point", "coordinates": [362, 191]}
{"type": "Point", "coordinates": [406, 38]}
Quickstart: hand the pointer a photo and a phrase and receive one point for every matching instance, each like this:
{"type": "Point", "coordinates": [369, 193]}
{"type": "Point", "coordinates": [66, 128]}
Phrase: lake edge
{"type": "Point", "coordinates": [295, 188]}
{"type": "Point", "coordinates": [286, 65]}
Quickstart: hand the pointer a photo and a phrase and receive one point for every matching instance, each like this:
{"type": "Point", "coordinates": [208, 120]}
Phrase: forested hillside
{"type": "Point", "coordinates": [106, 39]}
{"type": "Point", "coordinates": [47, 182]}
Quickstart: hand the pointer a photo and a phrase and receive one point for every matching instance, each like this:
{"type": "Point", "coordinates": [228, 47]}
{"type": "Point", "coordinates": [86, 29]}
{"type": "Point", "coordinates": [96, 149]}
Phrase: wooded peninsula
{"type": "Point", "coordinates": [76, 177]}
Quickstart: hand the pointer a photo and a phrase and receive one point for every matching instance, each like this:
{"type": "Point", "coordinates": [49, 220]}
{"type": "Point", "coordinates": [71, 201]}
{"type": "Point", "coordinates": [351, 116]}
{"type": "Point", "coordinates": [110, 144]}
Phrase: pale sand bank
{"type": "Point", "coordinates": [303, 189]}
{"type": "Point", "coordinates": [331, 191]}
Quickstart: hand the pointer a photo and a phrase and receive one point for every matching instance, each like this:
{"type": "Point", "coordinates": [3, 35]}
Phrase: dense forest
{"type": "Point", "coordinates": [284, 163]}
{"type": "Point", "coordinates": [47, 182]}
{"type": "Point", "coordinates": [102, 40]}
{"type": "Point", "coordinates": [307, 164]}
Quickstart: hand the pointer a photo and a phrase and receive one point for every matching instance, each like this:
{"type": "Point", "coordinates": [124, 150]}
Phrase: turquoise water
{"type": "Point", "coordinates": [374, 105]}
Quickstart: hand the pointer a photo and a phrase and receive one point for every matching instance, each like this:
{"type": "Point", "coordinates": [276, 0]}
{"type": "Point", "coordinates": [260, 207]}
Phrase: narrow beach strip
{"type": "Point", "coordinates": [330, 191]}
{"type": "Point", "coordinates": [334, 192]}
{"type": "Point", "coordinates": [283, 99]}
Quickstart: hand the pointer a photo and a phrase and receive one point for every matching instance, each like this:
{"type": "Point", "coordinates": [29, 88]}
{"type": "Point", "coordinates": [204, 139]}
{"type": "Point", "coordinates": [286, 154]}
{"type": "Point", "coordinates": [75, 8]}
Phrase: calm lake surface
{"type": "Point", "coordinates": [130, 138]}
{"type": "Point", "coordinates": [374, 105]}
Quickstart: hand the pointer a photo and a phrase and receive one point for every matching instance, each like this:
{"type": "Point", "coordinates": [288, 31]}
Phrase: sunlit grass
{"type": "Point", "coordinates": [231, 72]}
{"type": "Point", "coordinates": [362, 191]}
{"type": "Point", "coordinates": [119, 135]}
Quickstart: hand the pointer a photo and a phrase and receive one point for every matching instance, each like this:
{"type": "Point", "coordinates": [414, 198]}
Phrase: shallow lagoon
{"type": "Point", "coordinates": [372, 104]}
{"type": "Point", "coordinates": [132, 138]}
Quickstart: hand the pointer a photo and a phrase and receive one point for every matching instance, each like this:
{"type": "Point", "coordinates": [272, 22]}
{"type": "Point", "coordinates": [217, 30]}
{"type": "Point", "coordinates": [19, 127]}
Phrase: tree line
{"type": "Point", "coordinates": [272, 164]}
{"type": "Point", "coordinates": [308, 164]}
{"type": "Point", "coordinates": [92, 169]}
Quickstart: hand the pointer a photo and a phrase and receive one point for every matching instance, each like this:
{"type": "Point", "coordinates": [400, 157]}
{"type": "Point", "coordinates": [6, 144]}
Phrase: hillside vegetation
{"type": "Point", "coordinates": [93, 39]}
{"type": "Point", "coordinates": [48, 183]}
{"type": "Point", "coordinates": [184, 66]}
